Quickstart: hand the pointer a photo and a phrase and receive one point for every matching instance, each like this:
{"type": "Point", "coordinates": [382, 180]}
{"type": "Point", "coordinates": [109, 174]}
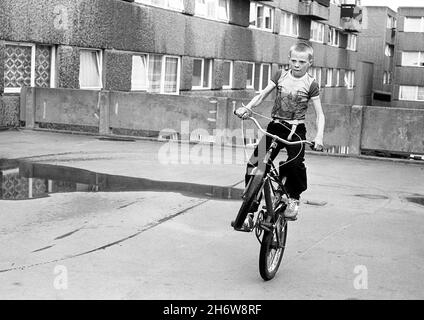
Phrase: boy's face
{"type": "Point", "coordinates": [299, 63]}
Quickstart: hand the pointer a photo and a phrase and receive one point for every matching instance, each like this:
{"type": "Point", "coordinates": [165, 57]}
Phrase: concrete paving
{"type": "Point", "coordinates": [365, 242]}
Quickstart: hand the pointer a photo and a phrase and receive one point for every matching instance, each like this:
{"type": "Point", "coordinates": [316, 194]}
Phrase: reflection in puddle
{"type": "Point", "coordinates": [21, 180]}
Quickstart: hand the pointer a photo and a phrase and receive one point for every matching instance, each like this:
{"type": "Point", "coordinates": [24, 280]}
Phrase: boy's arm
{"type": "Point", "coordinates": [244, 112]}
{"type": "Point", "coordinates": [320, 120]}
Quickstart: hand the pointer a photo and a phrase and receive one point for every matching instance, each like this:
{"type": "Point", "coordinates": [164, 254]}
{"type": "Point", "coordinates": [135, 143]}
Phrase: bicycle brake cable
{"type": "Point", "coordinates": [268, 118]}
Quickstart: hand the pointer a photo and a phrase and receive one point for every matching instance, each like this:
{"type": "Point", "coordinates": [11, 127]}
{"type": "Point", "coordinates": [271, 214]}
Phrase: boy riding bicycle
{"type": "Point", "coordinates": [295, 88]}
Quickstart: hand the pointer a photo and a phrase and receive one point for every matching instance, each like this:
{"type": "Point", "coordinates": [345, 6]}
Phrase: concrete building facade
{"type": "Point", "coordinates": [227, 48]}
{"type": "Point", "coordinates": [408, 85]}
{"type": "Point", "coordinates": [376, 45]}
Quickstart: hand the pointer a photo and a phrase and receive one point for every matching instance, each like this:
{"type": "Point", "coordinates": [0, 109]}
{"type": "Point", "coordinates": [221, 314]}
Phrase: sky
{"type": "Point", "coordinates": [393, 4]}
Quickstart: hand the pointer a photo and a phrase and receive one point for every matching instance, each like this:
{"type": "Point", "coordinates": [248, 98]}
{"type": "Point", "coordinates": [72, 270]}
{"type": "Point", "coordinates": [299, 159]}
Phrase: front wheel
{"type": "Point", "coordinates": [272, 250]}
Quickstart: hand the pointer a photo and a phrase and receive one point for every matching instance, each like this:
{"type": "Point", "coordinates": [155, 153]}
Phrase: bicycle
{"type": "Point", "coordinates": [270, 222]}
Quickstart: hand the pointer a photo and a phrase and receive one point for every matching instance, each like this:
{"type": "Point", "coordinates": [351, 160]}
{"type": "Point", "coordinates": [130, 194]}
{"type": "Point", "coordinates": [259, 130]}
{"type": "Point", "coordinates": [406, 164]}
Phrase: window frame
{"type": "Point", "coordinates": [322, 27]}
{"type": "Point", "coordinates": [146, 74]}
{"type": "Point", "coordinates": [316, 73]}
{"type": "Point", "coordinates": [252, 86]}
{"type": "Point", "coordinates": [420, 59]}
{"type": "Point", "coordinates": [337, 77]}
{"type": "Point", "coordinates": [388, 50]}
{"type": "Point", "coordinates": [257, 5]}
{"type": "Point", "coordinates": [329, 77]}
{"type": "Point", "coordinates": [204, 12]}
{"type": "Point", "coordinates": [291, 16]}
{"type": "Point", "coordinates": [162, 78]}
{"type": "Point", "coordinates": [421, 29]}
{"type": "Point", "coordinates": [99, 60]}
{"type": "Point", "coordinates": [334, 37]}
{"type": "Point", "coordinates": [202, 69]}
{"type": "Point", "coordinates": [349, 46]}
{"type": "Point", "coordinates": [33, 46]}
{"type": "Point", "coordinates": [167, 6]}
{"type": "Point", "coordinates": [416, 93]}
{"type": "Point", "coordinates": [230, 85]}
{"type": "Point", "coordinates": [349, 79]}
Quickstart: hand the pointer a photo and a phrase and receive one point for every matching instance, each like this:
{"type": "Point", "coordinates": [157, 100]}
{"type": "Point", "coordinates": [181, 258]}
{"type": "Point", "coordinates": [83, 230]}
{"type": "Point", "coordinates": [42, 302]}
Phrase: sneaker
{"type": "Point", "coordinates": [292, 209]}
{"type": "Point", "coordinates": [248, 222]}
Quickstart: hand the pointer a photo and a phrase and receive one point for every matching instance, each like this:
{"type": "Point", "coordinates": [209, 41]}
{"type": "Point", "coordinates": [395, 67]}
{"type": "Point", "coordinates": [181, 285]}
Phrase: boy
{"type": "Point", "coordinates": [295, 88]}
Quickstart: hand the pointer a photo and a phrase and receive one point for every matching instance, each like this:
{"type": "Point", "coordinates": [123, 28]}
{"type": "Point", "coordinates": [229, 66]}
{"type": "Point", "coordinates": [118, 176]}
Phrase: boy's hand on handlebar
{"type": "Point", "coordinates": [243, 112]}
{"type": "Point", "coordinates": [318, 144]}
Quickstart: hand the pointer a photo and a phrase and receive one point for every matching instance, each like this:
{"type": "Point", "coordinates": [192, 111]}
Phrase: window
{"type": "Point", "coordinates": [167, 4]}
{"type": "Point", "coordinates": [351, 41]}
{"type": "Point", "coordinates": [333, 37]}
{"type": "Point", "coordinates": [388, 50]}
{"type": "Point", "coordinates": [202, 74]}
{"type": "Point", "coordinates": [139, 73]}
{"type": "Point", "coordinates": [349, 79]}
{"type": "Point", "coordinates": [329, 80]}
{"type": "Point", "coordinates": [335, 1]}
{"type": "Point", "coordinates": [90, 76]}
{"type": "Point", "coordinates": [337, 77]}
{"type": "Point", "coordinates": [414, 24]}
{"type": "Point", "coordinates": [212, 9]}
{"type": "Point", "coordinates": [28, 64]}
{"type": "Point", "coordinates": [250, 75]}
{"type": "Point", "coordinates": [387, 77]}
{"type": "Point", "coordinates": [317, 31]}
{"type": "Point", "coordinates": [413, 59]}
{"type": "Point", "coordinates": [261, 16]}
{"type": "Point", "coordinates": [316, 73]}
{"type": "Point", "coordinates": [411, 93]}
{"type": "Point", "coordinates": [262, 75]}
{"type": "Point", "coordinates": [391, 22]}
{"type": "Point", "coordinates": [227, 72]}
{"type": "Point", "coordinates": [163, 74]}
{"type": "Point", "coordinates": [289, 24]}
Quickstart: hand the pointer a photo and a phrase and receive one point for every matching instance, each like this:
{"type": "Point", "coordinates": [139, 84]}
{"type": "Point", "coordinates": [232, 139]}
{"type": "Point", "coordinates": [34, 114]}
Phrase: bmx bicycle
{"type": "Point", "coordinates": [270, 225]}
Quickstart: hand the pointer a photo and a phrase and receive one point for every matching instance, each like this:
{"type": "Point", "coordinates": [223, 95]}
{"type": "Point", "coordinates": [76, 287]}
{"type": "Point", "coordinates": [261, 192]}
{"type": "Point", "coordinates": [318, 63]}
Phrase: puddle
{"type": "Point", "coordinates": [21, 180]}
{"type": "Point", "coordinates": [417, 200]}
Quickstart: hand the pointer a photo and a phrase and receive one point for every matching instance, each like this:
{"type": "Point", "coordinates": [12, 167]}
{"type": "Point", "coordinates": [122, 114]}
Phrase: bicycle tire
{"type": "Point", "coordinates": [252, 190]}
{"type": "Point", "coordinates": [271, 252]}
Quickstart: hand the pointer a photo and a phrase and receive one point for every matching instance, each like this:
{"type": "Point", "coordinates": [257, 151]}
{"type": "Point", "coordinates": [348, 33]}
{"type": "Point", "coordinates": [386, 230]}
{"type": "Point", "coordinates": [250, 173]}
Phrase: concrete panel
{"type": "Point", "coordinates": [117, 71]}
{"type": "Point", "coordinates": [410, 41]}
{"type": "Point", "coordinates": [337, 124]}
{"type": "Point", "coordinates": [9, 110]}
{"type": "Point", "coordinates": [156, 112]}
{"type": "Point", "coordinates": [393, 129]}
{"type": "Point", "coordinates": [67, 106]}
{"type": "Point", "coordinates": [68, 65]}
{"type": "Point", "coordinates": [413, 76]}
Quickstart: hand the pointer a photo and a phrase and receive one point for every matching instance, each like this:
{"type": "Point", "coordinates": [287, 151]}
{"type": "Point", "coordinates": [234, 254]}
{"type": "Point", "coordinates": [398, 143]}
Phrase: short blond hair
{"type": "Point", "coordinates": [302, 47]}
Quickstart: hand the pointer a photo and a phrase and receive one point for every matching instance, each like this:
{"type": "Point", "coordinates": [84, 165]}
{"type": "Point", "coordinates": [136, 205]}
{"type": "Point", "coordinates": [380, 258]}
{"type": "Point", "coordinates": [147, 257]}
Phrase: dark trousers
{"type": "Point", "coordinates": [295, 169]}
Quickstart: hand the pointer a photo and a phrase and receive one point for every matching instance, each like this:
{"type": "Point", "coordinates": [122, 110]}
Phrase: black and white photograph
{"type": "Point", "coordinates": [212, 156]}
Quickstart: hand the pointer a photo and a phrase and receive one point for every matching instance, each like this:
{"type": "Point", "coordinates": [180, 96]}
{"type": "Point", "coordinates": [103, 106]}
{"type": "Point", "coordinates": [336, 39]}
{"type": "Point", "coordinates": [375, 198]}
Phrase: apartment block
{"type": "Point", "coordinates": [226, 48]}
{"type": "Point", "coordinates": [408, 84]}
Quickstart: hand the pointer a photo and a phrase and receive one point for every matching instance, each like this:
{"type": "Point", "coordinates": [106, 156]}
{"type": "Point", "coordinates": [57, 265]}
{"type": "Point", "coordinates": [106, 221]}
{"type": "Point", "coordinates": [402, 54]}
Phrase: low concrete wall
{"type": "Point", "coordinates": [350, 128]}
{"type": "Point", "coordinates": [392, 129]}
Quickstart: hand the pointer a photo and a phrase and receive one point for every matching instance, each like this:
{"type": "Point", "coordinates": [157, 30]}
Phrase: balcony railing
{"type": "Point", "coordinates": [316, 9]}
{"type": "Point", "coordinates": [351, 16]}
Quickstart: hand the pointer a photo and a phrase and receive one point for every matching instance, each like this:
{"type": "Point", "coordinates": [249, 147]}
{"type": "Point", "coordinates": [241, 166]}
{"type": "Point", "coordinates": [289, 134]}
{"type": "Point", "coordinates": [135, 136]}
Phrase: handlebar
{"type": "Point", "coordinates": [312, 144]}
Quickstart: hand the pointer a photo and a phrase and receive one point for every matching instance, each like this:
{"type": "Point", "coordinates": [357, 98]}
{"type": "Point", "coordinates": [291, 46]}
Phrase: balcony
{"type": "Point", "coordinates": [315, 9]}
{"type": "Point", "coordinates": [351, 17]}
